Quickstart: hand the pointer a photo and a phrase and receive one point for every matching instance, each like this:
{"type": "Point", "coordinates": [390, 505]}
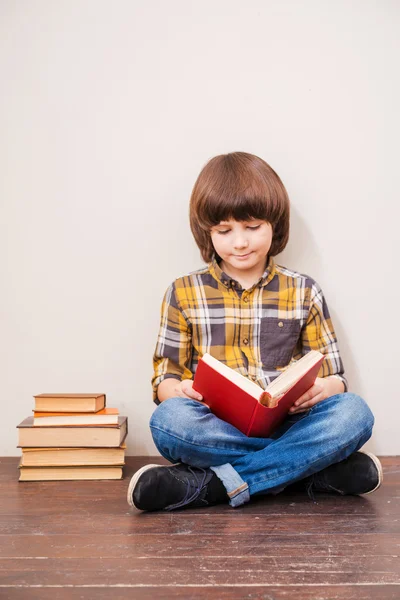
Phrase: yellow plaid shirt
{"type": "Point", "coordinates": [258, 331]}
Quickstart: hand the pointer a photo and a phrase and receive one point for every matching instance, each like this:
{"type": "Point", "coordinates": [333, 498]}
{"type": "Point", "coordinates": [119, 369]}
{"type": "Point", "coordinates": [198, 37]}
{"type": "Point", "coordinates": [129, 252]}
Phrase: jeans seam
{"type": "Point", "coordinates": [325, 456]}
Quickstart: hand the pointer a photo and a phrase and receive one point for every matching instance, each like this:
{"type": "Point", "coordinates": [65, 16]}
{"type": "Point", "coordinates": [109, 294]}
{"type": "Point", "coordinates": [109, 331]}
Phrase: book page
{"type": "Point", "coordinates": [251, 388]}
{"type": "Point", "coordinates": [295, 372]}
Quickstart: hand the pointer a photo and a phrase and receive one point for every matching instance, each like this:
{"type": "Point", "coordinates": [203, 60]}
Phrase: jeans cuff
{"type": "Point", "coordinates": [236, 488]}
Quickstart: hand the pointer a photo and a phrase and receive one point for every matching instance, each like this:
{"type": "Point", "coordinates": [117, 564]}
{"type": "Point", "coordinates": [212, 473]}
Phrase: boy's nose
{"type": "Point", "coordinates": [241, 242]}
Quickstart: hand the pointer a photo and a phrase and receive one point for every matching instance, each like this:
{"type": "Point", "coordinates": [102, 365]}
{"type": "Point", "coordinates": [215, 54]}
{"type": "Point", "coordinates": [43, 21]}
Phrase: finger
{"type": "Point", "coordinates": [198, 397]}
{"type": "Point", "coordinates": [191, 393]}
{"type": "Point", "coordinates": [300, 409]}
{"type": "Point", "coordinates": [313, 401]}
{"type": "Point", "coordinates": [303, 399]}
{"type": "Point", "coordinates": [306, 404]}
{"type": "Point", "coordinates": [309, 395]}
{"type": "Point", "coordinates": [181, 392]}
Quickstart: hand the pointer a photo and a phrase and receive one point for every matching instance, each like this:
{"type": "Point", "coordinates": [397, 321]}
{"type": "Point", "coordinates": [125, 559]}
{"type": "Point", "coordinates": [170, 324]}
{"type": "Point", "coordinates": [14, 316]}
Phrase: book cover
{"type": "Point", "coordinates": [239, 403]}
{"type": "Point", "coordinates": [84, 436]}
{"type": "Point", "coordinates": [106, 416]}
{"type": "Point", "coordinates": [67, 457]}
{"type": "Point", "coordinates": [69, 473]}
{"type": "Point", "coordinates": [70, 402]}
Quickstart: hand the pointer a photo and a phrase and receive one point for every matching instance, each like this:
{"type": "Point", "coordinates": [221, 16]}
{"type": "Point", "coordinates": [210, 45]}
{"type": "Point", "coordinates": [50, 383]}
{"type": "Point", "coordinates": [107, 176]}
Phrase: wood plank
{"type": "Point", "coordinates": [201, 571]}
{"type": "Point", "coordinates": [187, 546]}
{"type": "Point", "coordinates": [202, 523]}
{"type": "Point", "coordinates": [304, 592]}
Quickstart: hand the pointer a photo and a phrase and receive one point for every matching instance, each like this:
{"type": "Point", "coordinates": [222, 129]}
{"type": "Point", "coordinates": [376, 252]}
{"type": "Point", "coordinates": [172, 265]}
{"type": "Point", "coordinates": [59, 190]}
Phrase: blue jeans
{"type": "Point", "coordinates": [186, 431]}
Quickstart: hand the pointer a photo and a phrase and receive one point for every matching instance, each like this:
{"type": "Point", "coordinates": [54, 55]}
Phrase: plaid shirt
{"type": "Point", "coordinates": [258, 331]}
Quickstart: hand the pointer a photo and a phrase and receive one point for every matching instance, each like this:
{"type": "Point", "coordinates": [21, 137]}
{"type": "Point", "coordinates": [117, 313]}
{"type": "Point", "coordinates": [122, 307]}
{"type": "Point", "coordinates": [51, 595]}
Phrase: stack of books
{"type": "Point", "coordinates": [72, 436]}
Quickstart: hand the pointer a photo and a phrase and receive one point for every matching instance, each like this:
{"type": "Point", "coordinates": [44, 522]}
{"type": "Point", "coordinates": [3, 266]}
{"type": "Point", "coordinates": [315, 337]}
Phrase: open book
{"type": "Point", "coordinates": [241, 402]}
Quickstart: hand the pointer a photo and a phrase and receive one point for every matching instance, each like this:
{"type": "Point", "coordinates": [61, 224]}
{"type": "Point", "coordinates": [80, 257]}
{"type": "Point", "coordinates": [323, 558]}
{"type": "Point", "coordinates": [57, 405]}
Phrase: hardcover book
{"type": "Point", "coordinates": [106, 416]}
{"type": "Point", "coordinates": [68, 473]}
{"type": "Point", "coordinates": [69, 457]}
{"type": "Point", "coordinates": [69, 402]}
{"type": "Point", "coordinates": [82, 436]}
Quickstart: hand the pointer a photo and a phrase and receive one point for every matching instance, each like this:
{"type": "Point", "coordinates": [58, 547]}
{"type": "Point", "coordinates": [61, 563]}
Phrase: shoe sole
{"type": "Point", "coordinates": [378, 465]}
{"type": "Point", "coordinates": [135, 478]}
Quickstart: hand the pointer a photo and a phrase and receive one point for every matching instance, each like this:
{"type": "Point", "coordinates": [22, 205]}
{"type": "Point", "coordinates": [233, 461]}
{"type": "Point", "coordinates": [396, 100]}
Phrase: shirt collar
{"type": "Point", "coordinates": [229, 282]}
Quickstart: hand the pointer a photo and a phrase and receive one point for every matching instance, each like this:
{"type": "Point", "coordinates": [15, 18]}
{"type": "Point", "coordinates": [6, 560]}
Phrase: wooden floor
{"type": "Point", "coordinates": [70, 540]}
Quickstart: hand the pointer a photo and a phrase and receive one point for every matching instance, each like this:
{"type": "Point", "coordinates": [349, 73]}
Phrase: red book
{"type": "Point", "coordinates": [244, 404]}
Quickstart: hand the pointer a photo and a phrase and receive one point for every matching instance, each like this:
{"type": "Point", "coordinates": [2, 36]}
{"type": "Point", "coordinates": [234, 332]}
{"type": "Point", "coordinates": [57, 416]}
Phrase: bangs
{"type": "Point", "coordinates": [240, 189]}
{"type": "Point", "coordinates": [237, 207]}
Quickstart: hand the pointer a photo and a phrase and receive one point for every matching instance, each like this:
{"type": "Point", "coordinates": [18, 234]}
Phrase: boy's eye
{"type": "Point", "coordinates": [252, 227]}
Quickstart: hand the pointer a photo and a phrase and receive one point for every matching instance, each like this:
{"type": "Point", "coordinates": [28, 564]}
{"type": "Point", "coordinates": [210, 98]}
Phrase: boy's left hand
{"type": "Point", "coordinates": [323, 387]}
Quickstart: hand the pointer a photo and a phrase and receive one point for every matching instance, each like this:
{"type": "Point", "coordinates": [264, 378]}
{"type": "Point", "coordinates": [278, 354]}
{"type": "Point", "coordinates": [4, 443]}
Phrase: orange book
{"type": "Point", "coordinates": [244, 404]}
{"type": "Point", "coordinates": [106, 416]}
{"type": "Point", "coordinates": [70, 402]}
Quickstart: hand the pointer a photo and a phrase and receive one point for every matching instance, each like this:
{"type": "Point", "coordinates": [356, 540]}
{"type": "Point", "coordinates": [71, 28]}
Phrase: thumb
{"type": "Point", "coordinates": [195, 395]}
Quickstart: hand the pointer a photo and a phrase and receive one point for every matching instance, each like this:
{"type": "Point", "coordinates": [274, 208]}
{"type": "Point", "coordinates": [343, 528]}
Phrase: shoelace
{"type": "Point", "coordinates": [310, 492]}
{"type": "Point", "coordinates": [190, 497]}
{"type": "Point", "coordinates": [320, 485]}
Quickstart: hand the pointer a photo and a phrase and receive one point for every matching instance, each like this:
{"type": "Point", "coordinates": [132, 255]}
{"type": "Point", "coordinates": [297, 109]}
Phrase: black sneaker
{"type": "Point", "coordinates": [359, 473]}
{"type": "Point", "coordinates": [156, 487]}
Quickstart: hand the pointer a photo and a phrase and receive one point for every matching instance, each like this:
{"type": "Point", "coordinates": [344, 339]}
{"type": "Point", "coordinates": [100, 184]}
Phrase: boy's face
{"type": "Point", "coordinates": [242, 245]}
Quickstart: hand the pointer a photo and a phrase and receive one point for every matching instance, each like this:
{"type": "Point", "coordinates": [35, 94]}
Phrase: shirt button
{"type": "Point", "coordinates": [280, 324]}
{"type": "Point", "coordinates": [245, 341]}
{"type": "Point", "coordinates": [246, 299]}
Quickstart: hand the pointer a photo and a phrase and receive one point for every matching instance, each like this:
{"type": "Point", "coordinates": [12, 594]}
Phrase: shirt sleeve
{"type": "Point", "coordinates": [318, 334]}
{"type": "Point", "coordinates": [173, 353]}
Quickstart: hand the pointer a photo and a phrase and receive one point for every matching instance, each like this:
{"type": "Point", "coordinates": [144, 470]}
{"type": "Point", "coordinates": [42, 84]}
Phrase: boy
{"type": "Point", "coordinates": [257, 317]}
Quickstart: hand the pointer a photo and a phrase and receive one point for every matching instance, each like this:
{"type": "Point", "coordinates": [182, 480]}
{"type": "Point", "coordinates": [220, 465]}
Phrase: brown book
{"type": "Point", "coordinates": [106, 416]}
{"type": "Point", "coordinates": [68, 473]}
{"type": "Point", "coordinates": [69, 402]}
{"type": "Point", "coordinates": [68, 457]}
{"type": "Point", "coordinates": [82, 436]}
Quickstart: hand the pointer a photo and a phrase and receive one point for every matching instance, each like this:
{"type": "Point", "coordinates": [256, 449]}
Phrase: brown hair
{"type": "Point", "coordinates": [238, 186]}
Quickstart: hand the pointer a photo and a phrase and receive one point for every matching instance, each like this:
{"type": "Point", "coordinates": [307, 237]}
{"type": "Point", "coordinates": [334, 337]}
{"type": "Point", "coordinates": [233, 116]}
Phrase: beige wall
{"type": "Point", "coordinates": [109, 110]}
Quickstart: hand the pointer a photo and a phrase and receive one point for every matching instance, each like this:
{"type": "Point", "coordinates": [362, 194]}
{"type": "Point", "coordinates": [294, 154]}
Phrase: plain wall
{"type": "Point", "coordinates": [108, 112]}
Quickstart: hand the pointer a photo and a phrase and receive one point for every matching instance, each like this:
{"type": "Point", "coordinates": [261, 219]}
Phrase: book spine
{"type": "Point", "coordinates": [267, 400]}
{"type": "Point", "coordinates": [252, 419]}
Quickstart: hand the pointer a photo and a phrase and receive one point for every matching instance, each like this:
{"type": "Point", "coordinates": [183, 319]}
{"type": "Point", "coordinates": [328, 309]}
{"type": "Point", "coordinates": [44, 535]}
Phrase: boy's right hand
{"type": "Point", "coordinates": [184, 389]}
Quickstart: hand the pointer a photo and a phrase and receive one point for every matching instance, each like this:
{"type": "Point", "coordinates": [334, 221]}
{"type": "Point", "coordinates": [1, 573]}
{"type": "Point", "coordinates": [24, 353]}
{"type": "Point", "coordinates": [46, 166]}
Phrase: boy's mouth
{"type": "Point", "coordinates": [242, 256]}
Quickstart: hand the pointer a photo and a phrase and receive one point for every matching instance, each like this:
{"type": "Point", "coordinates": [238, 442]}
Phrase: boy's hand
{"type": "Point", "coordinates": [184, 389]}
{"type": "Point", "coordinates": [324, 387]}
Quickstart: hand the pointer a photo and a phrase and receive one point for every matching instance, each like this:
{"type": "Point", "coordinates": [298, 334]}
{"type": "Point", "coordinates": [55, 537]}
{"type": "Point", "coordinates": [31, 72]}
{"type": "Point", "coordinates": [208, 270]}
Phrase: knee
{"type": "Point", "coordinates": [173, 423]}
{"type": "Point", "coordinates": [174, 414]}
{"type": "Point", "coordinates": [354, 413]}
{"type": "Point", "coordinates": [161, 424]}
{"type": "Point", "coordinates": [164, 413]}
